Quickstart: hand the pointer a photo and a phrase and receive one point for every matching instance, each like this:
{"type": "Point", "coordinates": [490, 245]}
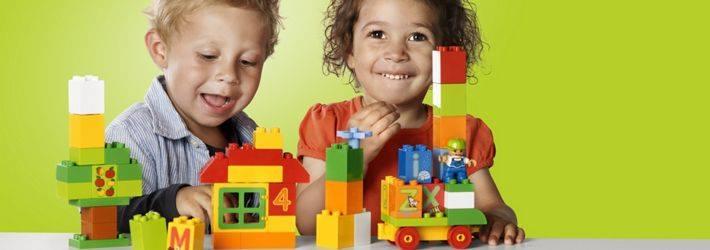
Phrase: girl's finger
{"type": "Point", "coordinates": [384, 123]}
{"type": "Point", "coordinates": [496, 232]}
{"type": "Point", "coordinates": [365, 111]}
{"type": "Point", "coordinates": [375, 116]}
{"type": "Point", "coordinates": [510, 232]}
{"type": "Point", "coordinates": [521, 236]}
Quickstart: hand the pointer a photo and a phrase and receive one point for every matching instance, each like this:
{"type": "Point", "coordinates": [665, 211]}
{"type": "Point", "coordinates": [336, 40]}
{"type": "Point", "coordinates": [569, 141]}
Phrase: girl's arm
{"type": "Point", "coordinates": [310, 196]}
{"type": "Point", "coordinates": [502, 222]}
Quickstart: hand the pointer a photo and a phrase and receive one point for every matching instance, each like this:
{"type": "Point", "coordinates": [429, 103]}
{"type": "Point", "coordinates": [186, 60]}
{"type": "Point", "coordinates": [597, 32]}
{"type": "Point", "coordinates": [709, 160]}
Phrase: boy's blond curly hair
{"type": "Point", "coordinates": [166, 16]}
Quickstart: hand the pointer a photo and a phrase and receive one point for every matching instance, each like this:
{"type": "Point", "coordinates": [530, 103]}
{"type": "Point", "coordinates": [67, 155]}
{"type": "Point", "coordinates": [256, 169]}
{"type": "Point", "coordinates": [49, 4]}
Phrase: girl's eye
{"type": "Point", "coordinates": [377, 34]}
{"type": "Point", "coordinates": [208, 57]}
{"type": "Point", "coordinates": [417, 37]}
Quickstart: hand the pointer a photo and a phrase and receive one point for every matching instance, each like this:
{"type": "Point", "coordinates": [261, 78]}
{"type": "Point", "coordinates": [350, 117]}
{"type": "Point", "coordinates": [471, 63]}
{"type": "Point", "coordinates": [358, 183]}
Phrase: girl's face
{"type": "Point", "coordinates": [391, 52]}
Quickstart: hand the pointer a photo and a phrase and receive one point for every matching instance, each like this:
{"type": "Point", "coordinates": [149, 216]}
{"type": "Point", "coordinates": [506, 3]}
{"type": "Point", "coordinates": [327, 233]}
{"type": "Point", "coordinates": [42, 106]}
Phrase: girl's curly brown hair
{"type": "Point", "coordinates": [457, 26]}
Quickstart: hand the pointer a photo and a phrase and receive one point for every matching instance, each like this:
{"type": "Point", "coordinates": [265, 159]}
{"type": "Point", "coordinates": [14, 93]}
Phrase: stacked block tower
{"type": "Point", "coordinates": [417, 205]}
{"type": "Point", "coordinates": [344, 222]}
{"type": "Point", "coordinates": [254, 193]}
{"type": "Point", "coordinates": [98, 176]}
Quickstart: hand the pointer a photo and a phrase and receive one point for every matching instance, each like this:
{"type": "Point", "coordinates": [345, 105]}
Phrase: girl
{"type": "Point", "coordinates": [387, 45]}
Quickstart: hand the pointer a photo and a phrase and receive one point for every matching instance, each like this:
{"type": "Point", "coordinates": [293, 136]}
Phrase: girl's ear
{"type": "Point", "coordinates": [156, 48]}
{"type": "Point", "coordinates": [350, 60]}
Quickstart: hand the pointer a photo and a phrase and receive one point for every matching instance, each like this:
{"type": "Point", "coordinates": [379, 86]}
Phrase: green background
{"type": "Point", "coordinates": [599, 108]}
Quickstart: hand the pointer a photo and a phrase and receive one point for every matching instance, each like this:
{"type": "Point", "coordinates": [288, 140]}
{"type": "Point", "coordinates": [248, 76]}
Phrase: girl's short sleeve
{"type": "Point", "coordinates": [317, 131]}
{"type": "Point", "coordinates": [480, 144]}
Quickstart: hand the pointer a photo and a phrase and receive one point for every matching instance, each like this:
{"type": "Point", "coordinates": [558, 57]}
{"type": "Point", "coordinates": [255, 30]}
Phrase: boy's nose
{"type": "Point", "coordinates": [227, 77]}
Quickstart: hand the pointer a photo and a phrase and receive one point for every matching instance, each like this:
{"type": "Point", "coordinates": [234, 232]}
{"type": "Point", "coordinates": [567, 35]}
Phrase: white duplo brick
{"type": "Point", "coordinates": [86, 95]}
{"type": "Point", "coordinates": [436, 66]}
{"type": "Point", "coordinates": [459, 200]}
{"type": "Point", "coordinates": [362, 229]}
{"type": "Point", "coordinates": [436, 95]}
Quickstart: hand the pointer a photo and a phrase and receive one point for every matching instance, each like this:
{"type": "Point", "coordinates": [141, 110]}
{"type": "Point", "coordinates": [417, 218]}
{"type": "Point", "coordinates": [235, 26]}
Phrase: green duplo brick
{"type": "Point", "coordinates": [148, 231]}
{"type": "Point", "coordinates": [80, 242]}
{"type": "Point", "coordinates": [117, 153]}
{"type": "Point", "coordinates": [86, 156]}
{"type": "Point", "coordinates": [460, 187]}
{"type": "Point", "coordinates": [129, 188]}
{"type": "Point", "coordinates": [100, 202]}
{"type": "Point", "coordinates": [129, 172]}
{"type": "Point", "coordinates": [465, 216]}
{"type": "Point", "coordinates": [453, 100]}
{"type": "Point", "coordinates": [343, 163]}
{"type": "Point", "coordinates": [69, 172]}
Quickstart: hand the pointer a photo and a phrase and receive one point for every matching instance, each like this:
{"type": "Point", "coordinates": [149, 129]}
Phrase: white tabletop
{"type": "Point", "coordinates": [32, 241]}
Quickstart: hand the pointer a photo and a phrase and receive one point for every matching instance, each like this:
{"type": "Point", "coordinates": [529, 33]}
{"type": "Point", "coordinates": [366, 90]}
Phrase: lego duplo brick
{"type": "Point", "coordinates": [215, 170]}
{"type": "Point", "coordinates": [343, 163]}
{"type": "Point", "coordinates": [86, 131]}
{"type": "Point", "coordinates": [82, 242]}
{"type": "Point", "coordinates": [414, 163]}
{"type": "Point", "coordinates": [466, 216]}
{"type": "Point", "coordinates": [250, 240]}
{"type": "Point", "coordinates": [459, 199]}
{"type": "Point", "coordinates": [282, 199]}
{"type": "Point", "coordinates": [460, 187]}
{"type": "Point", "coordinates": [86, 95]}
{"type": "Point", "coordinates": [449, 64]}
{"type": "Point", "coordinates": [334, 230]}
{"type": "Point", "coordinates": [407, 200]}
{"type": "Point", "coordinates": [74, 191]}
{"type": "Point", "coordinates": [248, 155]}
{"type": "Point", "coordinates": [102, 214]}
{"type": "Point", "coordinates": [99, 231]}
{"type": "Point", "coordinates": [148, 231]}
{"type": "Point", "coordinates": [282, 224]}
{"type": "Point", "coordinates": [268, 138]}
{"type": "Point", "coordinates": [86, 156]}
{"type": "Point", "coordinates": [99, 202]}
{"type": "Point", "coordinates": [447, 128]}
{"type": "Point", "coordinates": [294, 172]}
{"type": "Point", "coordinates": [346, 197]}
{"type": "Point", "coordinates": [69, 172]}
{"type": "Point", "coordinates": [105, 180]}
{"type": "Point", "coordinates": [130, 171]}
{"type": "Point", "coordinates": [237, 174]}
{"type": "Point", "coordinates": [129, 188]}
{"type": "Point", "coordinates": [117, 153]}
{"type": "Point", "coordinates": [438, 220]}
{"type": "Point", "coordinates": [227, 240]}
{"type": "Point", "coordinates": [449, 99]}
{"type": "Point", "coordinates": [438, 166]}
{"type": "Point", "coordinates": [362, 235]}
{"type": "Point", "coordinates": [433, 195]}
{"type": "Point", "coordinates": [186, 234]}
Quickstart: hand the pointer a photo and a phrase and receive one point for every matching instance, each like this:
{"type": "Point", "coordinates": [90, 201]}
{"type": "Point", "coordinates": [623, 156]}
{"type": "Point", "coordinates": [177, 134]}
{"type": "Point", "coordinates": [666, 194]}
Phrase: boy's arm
{"type": "Point", "coordinates": [310, 196]}
{"type": "Point", "coordinates": [502, 221]}
{"type": "Point", "coordinates": [161, 201]}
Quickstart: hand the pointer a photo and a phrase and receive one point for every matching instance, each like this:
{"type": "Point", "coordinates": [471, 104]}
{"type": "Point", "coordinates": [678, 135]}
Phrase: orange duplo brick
{"type": "Point", "coordinates": [226, 240]}
{"type": "Point", "coordinates": [345, 197]}
{"type": "Point", "coordinates": [99, 231]}
{"type": "Point", "coordinates": [99, 214]}
{"type": "Point", "coordinates": [448, 127]}
{"type": "Point", "coordinates": [407, 200]}
{"type": "Point", "coordinates": [268, 240]}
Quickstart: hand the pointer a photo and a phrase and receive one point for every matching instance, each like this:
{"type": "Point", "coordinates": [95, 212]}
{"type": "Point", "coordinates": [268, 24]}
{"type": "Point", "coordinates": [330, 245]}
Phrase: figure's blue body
{"type": "Point", "coordinates": [457, 169]}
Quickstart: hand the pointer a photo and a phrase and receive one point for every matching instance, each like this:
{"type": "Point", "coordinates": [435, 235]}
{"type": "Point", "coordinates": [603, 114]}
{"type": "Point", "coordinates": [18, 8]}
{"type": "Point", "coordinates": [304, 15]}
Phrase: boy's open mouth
{"type": "Point", "coordinates": [216, 101]}
{"type": "Point", "coordinates": [395, 76]}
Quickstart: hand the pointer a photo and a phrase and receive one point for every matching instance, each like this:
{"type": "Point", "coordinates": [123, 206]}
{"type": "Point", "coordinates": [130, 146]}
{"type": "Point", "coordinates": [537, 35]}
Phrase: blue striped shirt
{"type": "Point", "coordinates": [160, 141]}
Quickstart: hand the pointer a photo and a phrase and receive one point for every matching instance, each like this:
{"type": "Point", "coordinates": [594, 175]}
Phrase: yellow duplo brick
{"type": "Point", "coordinates": [186, 234]}
{"type": "Point", "coordinates": [334, 230]}
{"type": "Point", "coordinates": [433, 233]}
{"type": "Point", "coordinates": [281, 223]}
{"type": "Point", "coordinates": [254, 174]}
{"type": "Point", "coordinates": [268, 138]}
{"type": "Point", "coordinates": [86, 131]}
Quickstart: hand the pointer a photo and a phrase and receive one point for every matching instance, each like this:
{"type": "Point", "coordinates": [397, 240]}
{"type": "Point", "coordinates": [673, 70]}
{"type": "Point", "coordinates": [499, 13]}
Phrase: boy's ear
{"type": "Point", "coordinates": [157, 48]}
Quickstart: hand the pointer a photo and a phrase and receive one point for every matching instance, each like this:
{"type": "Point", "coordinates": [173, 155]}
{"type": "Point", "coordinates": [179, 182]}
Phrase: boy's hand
{"type": "Point", "coordinates": [379, 118]}
{"type": "Point", "coordinates": [195, 202]}
{"type": "Point", "coordinates": [501, 230]}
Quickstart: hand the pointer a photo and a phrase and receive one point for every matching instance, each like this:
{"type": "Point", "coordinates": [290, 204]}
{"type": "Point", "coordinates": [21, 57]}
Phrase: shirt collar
{"type": "Point", "coordinates": [166, 120]}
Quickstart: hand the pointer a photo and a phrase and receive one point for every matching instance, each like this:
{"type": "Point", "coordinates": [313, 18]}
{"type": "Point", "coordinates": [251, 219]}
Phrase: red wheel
{"type": "Point", "coordinates": [460, 237]}
{"type": "Point", "coordinates": [406, 238]}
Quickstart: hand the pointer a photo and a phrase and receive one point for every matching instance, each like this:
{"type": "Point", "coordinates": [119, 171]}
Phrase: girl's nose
{"type": "Point", "coordinates": [396, 52]}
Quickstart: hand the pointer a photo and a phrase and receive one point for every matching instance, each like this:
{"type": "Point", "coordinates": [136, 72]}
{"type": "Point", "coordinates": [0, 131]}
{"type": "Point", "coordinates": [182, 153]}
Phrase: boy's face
{"type": "Point", "coordinates": [391, 52]}
{"type": "Point", "coordinates": [213, 66]}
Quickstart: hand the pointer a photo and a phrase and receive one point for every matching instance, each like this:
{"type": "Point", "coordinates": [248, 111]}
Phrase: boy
{"type": "Point", "coordinates": [211, 54]}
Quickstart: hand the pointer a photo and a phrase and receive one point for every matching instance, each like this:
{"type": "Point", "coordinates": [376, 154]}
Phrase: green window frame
{"type": "Point", "coordinates": [241, 210]}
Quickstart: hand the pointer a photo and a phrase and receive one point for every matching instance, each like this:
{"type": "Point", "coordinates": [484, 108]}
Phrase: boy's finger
{"type": "Point", "coordinates": [521, 236]}
{"type": "Point", "coordinates": [510, 233]}
{"type": "Point", "coordinates": [384, 123]}
{"type": "Point", "coordinates": [205, 205]}
{"type": "Point", "coordinates": [496, 232]}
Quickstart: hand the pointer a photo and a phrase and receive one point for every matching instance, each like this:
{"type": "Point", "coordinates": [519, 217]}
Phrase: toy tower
{"type": "Point", "coordinates": [344, 222]}
{"type": "Point", "coordinates": [254, 193]}
{"type": "Point", "coordinates": [97, 177]}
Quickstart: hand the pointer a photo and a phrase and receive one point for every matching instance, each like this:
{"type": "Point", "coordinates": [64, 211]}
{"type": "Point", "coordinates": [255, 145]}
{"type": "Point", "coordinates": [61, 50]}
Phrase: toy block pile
{"type": "Point", "coordinates": [344, 222]}
{"type": "Point", "coordinates": [98, 176]}
{"type": "Point", "coordinates": [449, 98]}
{"type": "Point", "coordinates": [254, 193]}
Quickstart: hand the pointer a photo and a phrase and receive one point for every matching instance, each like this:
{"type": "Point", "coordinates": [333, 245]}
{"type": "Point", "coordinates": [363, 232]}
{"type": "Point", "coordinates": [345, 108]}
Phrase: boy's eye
{"type": "Point", "coordinates": [247, 63]}
{"type": "Point", "coordinates": [417, 37]}
{"type": "Point", "coordinates": [377, 34]}
{"type": "Point", "coordinates": [208, 56]}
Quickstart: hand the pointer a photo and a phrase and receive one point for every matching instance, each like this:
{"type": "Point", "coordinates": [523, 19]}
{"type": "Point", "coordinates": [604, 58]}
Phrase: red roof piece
{"type": "Point", "coordinates": [215, 170]}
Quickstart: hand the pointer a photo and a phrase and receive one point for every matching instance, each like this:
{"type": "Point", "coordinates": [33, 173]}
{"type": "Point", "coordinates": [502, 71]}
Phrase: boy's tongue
{"type": "Point", "coordinates": [215, 100]}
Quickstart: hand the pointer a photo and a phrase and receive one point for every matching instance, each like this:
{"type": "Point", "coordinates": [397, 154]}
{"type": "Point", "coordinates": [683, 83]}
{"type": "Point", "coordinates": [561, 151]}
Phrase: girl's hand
{"type": "Point", "coordinates": [195, 202]}
{"type": "Point", "coordinates": [379, 118]}
{"type": "Point", "coordinates": [501, 230]}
